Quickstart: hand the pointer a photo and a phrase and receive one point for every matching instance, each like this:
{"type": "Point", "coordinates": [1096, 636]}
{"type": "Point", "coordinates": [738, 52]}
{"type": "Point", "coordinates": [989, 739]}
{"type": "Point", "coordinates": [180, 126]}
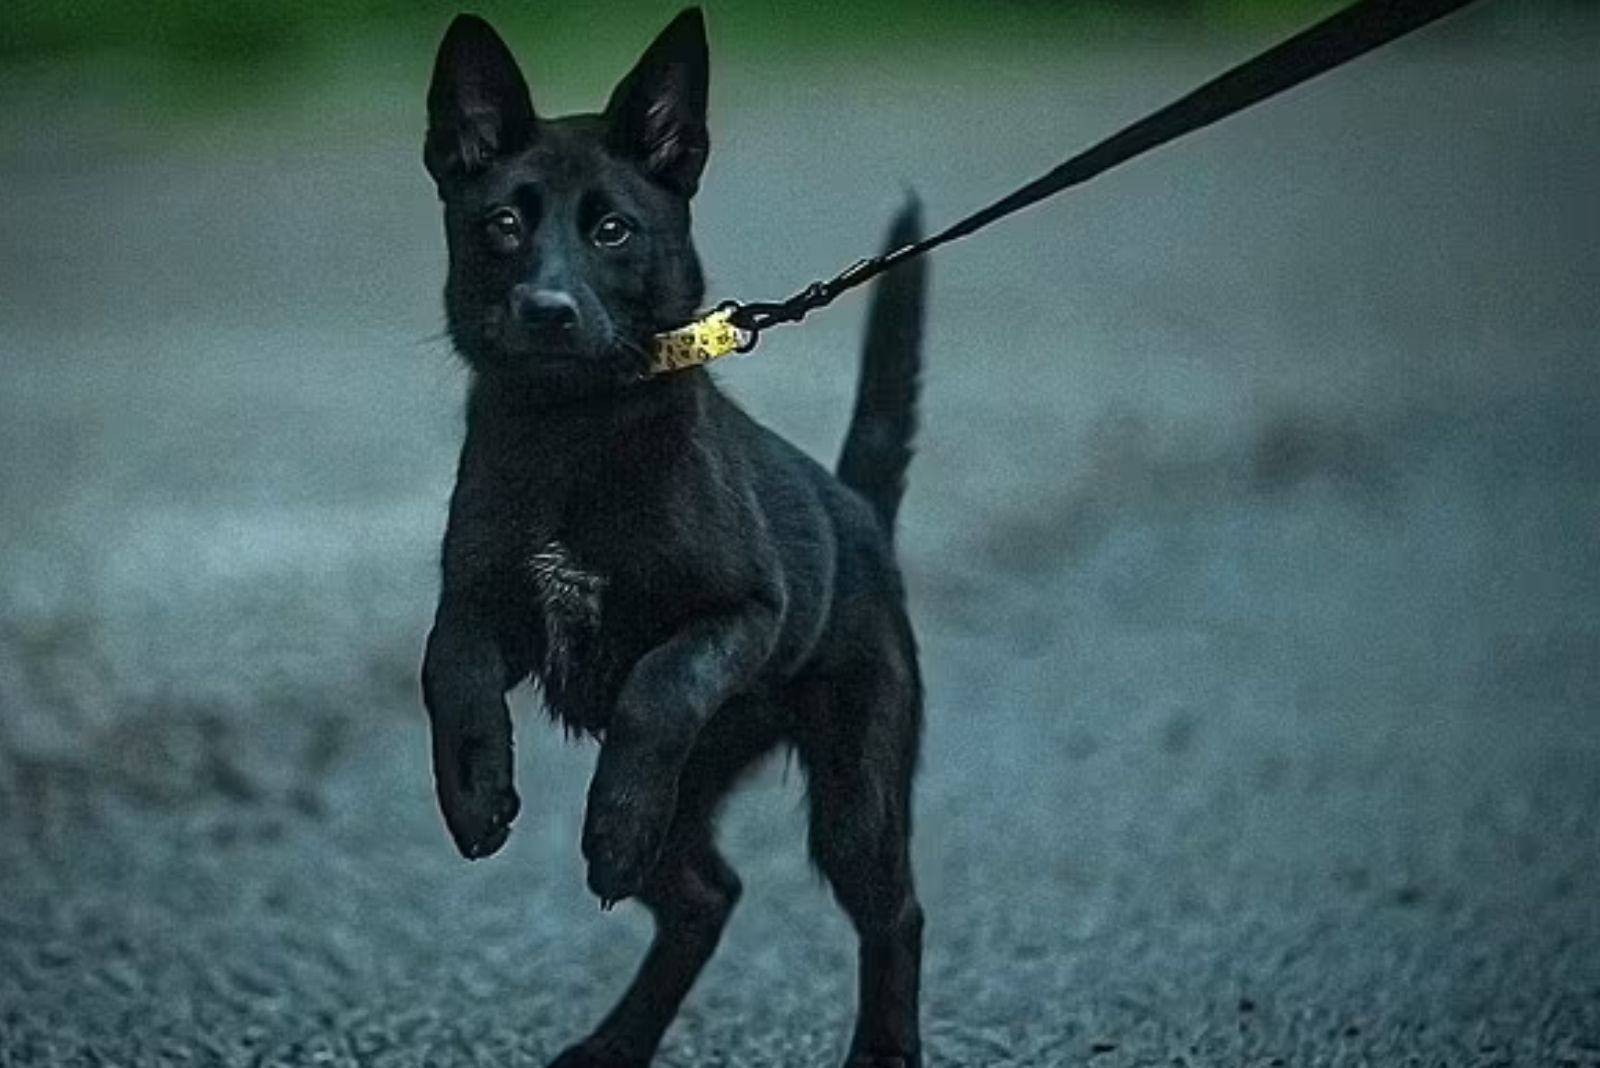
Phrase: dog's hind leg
{"type": "Point", "coordinates": [690, 894]}
{"type": "Point", "coordinates": [859, 750]}
{"type": "Point", "coordinates": [691, 897]}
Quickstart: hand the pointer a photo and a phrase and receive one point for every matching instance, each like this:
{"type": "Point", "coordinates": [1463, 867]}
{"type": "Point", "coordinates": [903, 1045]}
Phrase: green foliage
{"type": "Point", "coordinates": [184, 33]}
{"type": "Point", "coordinates": [164, 56]}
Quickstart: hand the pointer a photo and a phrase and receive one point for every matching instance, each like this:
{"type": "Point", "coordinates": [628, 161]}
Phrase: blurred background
{"type": "Point", "coordinates": [1254, 542]}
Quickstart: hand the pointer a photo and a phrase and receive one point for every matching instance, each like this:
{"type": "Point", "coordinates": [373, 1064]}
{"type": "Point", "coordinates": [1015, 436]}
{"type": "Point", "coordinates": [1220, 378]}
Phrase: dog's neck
{"type": "Point", "coordinates": [518, 417]}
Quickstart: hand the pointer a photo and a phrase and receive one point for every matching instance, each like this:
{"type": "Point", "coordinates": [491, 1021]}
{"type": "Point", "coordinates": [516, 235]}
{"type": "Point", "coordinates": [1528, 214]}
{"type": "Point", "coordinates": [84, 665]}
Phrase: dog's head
{"type": "Point", "coordinates": [569, 238]}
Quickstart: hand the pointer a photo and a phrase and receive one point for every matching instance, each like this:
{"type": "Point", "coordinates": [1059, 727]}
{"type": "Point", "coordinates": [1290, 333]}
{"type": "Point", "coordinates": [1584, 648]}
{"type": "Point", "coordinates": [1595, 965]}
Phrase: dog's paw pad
{"type": "Point", "coordinates": [618, 869]}
{"type": "Point", "coordinates": [622, 842]}
{"type": "Point", "coordinates": [480, 822]}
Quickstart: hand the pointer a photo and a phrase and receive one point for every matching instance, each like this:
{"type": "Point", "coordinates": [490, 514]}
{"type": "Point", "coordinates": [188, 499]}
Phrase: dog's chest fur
{"type": "Point", "coordinates": [568, 598]}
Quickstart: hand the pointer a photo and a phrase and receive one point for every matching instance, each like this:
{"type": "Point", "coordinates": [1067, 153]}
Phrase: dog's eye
{"type": "Point", "coordinates": [504, 228]}
{"type": "Point", "coordinates": [611, 231]}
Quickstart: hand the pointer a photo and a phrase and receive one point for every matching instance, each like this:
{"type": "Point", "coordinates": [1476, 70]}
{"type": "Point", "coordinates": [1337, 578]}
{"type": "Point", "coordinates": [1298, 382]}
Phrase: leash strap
{"type": "Point", "coordinates": [1336, 40]}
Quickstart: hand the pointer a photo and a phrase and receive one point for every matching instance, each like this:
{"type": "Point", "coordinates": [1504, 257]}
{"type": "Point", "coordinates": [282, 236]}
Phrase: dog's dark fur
{"type": "Point", "coordinates": [684, 584]}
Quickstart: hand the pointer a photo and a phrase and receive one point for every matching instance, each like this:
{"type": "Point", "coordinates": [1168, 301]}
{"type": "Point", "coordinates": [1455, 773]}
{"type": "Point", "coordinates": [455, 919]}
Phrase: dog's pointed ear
{"type": "Point", "coordinates": [657, 114]}
{"type": "Point", "coordinates": [478, 104]}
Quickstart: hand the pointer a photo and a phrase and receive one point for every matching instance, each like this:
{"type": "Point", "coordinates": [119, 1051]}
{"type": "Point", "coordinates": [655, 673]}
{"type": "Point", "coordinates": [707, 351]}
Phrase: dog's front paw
{"type": "Point", "coordinates": [473, 779]}
{"type": "Point", "coordinates": [622, 838]}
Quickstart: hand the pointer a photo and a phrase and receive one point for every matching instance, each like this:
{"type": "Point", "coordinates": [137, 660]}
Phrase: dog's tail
{"type": "Point", "coordinates": [877, 448]}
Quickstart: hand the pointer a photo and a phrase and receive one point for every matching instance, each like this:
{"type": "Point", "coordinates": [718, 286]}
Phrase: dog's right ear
{"type": "Point", "coordinates": [478, 105]}
{"type": "Point", "coordinates": [657, 113]}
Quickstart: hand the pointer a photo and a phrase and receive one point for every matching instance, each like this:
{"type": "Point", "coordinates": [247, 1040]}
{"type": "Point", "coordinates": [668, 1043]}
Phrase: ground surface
{"type": "Point", "coordinates": [1253, 547]}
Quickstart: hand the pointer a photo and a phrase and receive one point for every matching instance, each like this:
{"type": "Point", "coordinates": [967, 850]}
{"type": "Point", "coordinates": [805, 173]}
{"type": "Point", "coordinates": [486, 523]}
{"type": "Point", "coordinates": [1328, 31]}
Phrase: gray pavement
{"type": "Point", "coordinates": [1253, 546]}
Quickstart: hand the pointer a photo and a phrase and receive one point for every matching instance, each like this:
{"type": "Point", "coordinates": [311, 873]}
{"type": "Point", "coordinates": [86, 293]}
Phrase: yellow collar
{"type": "Point", "coordinates": [710, 337]}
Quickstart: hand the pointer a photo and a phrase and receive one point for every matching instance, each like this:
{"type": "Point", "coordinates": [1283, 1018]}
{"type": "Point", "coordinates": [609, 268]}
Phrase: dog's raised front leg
{"type": "Point", "coordinates": [667, 698]}
{"type": "Point", "coordinates": [465, 677]}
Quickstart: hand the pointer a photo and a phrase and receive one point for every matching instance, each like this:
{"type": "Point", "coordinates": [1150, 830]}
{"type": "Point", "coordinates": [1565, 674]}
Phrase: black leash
{"type": "Point", "coordinates": [1334, 41]}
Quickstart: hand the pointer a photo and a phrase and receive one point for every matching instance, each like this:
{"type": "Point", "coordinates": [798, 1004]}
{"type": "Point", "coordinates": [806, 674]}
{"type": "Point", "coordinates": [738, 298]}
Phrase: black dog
{"type": "Point", "coordinates": [684, 584]}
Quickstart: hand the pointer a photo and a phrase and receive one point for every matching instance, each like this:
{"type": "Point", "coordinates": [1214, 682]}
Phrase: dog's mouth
{"type": "Point", "coordinates": [513, 346]}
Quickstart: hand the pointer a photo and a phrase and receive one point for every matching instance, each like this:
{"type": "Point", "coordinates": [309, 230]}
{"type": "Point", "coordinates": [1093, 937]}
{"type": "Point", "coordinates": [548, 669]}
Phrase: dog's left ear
{"type": "Point", "coordinates": [657, 114]}
{"type": "Point", "coordinates": [478, 104]}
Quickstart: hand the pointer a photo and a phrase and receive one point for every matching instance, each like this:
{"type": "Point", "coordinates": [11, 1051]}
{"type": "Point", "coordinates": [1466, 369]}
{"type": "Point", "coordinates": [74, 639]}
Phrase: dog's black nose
{"type": "Point", "coordinates": [546, 309]}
